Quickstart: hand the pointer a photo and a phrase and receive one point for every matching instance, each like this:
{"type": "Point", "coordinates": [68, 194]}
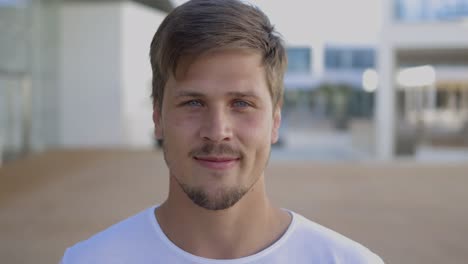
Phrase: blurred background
{"type": "Point", "coordinates": [374, 138]}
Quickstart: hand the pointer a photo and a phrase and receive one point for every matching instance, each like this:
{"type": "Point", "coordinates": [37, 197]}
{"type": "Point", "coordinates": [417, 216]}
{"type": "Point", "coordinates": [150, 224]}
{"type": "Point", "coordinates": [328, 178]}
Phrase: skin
{"type": "Point", "coordinates": [218, 123]}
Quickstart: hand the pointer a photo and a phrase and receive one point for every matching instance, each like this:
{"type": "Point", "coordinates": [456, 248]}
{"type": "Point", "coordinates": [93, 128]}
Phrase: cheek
{"type": "Point", "coordinates": [179, 131]}
{"type": "Point", "coordinates": [182, 123]}
{"type": "Point", "coordinates": [255, 128]}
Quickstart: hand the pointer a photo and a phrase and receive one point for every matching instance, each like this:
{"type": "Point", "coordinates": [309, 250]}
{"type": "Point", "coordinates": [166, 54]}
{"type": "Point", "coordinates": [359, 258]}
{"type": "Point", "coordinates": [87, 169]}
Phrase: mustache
{"type": "Point", "coordinates": [210, 149]}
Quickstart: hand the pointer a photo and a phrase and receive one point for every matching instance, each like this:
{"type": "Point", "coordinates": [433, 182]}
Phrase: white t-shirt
{"type": "Point", "coordinates": [140, 240]}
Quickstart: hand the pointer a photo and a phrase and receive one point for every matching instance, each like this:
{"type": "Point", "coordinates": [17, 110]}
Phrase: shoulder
{"type": "Point", "coordinates": [109, 245]}
{"type": "Point", "coordinates": [330, 245]}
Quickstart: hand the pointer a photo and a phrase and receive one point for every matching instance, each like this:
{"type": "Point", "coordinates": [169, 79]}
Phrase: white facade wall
{"type": "Point", "coordinates": [105, 74]}
{"type": "Point", "coordinates": [430, 35]}
{"type": "Point", "coordinates": [90, 85]}
{"type": "Point", "coordinates": [139, 23]}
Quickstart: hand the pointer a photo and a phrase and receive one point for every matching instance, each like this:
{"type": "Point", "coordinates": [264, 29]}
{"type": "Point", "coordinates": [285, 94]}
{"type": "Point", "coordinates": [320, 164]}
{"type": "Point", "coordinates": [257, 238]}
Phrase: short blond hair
{"type": "Point", "coordinates": [200, 26]}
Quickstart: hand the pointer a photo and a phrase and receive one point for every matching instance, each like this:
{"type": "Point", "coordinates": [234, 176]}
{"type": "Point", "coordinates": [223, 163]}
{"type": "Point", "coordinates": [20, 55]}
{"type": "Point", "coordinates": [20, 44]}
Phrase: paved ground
{"type": "Point", "coordinates": [407, 213]}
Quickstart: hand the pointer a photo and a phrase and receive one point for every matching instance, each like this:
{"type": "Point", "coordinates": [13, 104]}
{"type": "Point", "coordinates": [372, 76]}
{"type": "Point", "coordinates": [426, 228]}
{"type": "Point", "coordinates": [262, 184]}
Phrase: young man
{"type": "Point", "coordinates": [218, 69]}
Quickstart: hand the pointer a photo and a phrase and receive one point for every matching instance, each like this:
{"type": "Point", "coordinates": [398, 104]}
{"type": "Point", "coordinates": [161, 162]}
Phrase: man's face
{"type": "Point", "coordinates": [218, 123]}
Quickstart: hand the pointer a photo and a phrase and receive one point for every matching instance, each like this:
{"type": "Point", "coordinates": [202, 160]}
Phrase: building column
{"type": "Point", "coordinates": [385, 110]}
{"type": "Point", "coordinates": [408, 95]}
{"type": "Point", "coordinates": [432, 98]}
{"type": "Point", "coordinates": [464, 92]}
{"type": "Point", "coordinates": [420, 92]}
{"type": "Point", "coordinates": [452, 101]}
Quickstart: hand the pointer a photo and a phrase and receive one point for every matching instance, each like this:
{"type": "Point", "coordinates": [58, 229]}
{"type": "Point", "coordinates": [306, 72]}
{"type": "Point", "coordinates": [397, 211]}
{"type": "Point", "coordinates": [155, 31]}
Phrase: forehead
{"type": "Point", "coordinates": [223, 69]}
{"type": "Point", "coordinates": [234, 59]}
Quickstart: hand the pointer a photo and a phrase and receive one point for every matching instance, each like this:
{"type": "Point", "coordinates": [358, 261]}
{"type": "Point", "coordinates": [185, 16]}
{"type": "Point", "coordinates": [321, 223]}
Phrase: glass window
{"type": "Point", "coordinates": [430, 10]}
{"type": "Point", "coordinates": [349, 58]}
{"type": "Point", "coordinates": [299, 60]}
{"type": "Point", "coordinates": [331, 58]}
{"type": "Point", "coordinates": [334, 58]}
{"type": "Point", "coordinates": [363, 58]}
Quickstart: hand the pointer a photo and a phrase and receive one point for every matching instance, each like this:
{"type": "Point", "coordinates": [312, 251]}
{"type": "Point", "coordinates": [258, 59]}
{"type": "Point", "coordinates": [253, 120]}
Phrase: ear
{"type": "Point", "coordinates": [276, 124]}
{"type": "Point", "coordinates": [158, 131]}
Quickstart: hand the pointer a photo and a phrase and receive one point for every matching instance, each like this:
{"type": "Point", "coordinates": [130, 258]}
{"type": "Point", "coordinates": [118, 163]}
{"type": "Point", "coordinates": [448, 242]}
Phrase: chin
{"type": "Point", "coordinates": [219, 199]}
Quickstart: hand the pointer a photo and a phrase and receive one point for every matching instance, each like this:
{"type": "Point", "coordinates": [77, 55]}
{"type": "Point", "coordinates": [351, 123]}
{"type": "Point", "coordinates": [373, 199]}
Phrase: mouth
{"type": "Point", "coordinates": [217, 162]}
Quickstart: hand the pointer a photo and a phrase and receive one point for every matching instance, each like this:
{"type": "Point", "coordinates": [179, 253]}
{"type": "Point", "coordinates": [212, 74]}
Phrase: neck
{"type": "Point", "coordinates": [246, 228]}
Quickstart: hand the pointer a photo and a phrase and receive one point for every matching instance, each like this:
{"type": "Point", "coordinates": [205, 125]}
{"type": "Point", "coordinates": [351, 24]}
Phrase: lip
{"type": "Point", "coordinates": [217, 163]}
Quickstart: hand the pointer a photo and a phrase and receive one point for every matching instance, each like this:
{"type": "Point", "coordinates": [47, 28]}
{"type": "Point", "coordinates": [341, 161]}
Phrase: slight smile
{"type": "Point", "coordinates": [217, 163]}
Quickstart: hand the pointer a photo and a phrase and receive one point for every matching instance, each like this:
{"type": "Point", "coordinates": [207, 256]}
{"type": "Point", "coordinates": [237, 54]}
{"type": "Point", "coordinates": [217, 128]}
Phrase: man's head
{"type": "Point", "coordinates": [218, 70]}
{"type": "Point", "coordinates": [200, 26]}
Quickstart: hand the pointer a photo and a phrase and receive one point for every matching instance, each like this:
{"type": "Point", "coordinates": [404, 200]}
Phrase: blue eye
{"type": "Point", "coordinates": [241, 104]}
{"type": "Point", "coordinates": [193, 103]}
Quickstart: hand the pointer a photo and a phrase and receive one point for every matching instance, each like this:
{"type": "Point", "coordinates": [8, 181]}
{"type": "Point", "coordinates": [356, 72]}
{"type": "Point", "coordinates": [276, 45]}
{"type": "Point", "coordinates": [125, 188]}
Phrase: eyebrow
{"type": "Point", "coordinates": [243, 94]}
{"type": "Point", "coordinates": [188, 94]}
{"type": "Point", "coordinates": [198, 94]}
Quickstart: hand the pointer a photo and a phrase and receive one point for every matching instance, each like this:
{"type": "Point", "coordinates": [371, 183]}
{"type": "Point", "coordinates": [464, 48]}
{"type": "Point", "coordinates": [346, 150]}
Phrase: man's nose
{"type": "Point", "coordinates": [216, 126]}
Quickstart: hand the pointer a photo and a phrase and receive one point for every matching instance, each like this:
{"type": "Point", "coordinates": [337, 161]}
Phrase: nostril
{"type": "Point", "coordinates": [216, 132]}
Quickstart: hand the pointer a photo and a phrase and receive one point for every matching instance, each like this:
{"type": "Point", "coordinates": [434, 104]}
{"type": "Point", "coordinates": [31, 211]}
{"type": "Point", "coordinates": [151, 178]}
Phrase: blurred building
{"type": "Point", "coordinates": [330, 44]}
{"type": "Point", "coordinates": [75, 73]}
{"type": "Point", "coordinates": [340, 64]}
{"type": "Point", "coordinates": [317, 87]}
{"type": "Point", "coordinates": [423, 70]}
